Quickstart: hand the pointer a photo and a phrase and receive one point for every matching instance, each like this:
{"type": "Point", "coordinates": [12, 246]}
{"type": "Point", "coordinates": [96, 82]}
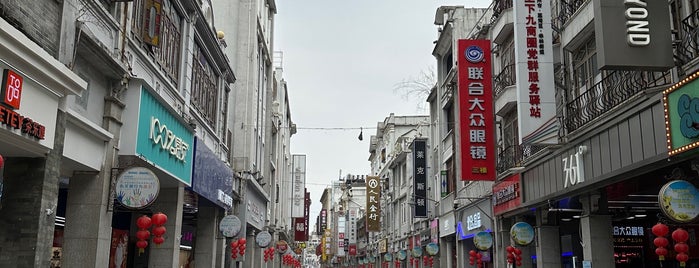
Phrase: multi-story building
{"type": "Point", "coordinates": [133, 99]}
{"type": "Point", "coordinates": [405, 210]}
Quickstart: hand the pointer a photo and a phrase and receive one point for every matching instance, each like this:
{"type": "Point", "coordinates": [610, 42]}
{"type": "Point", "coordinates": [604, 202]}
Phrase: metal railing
{"type": "Point", "coordinates": [515, 155]}
{"type": "Point", "coordinates": [562, 11]}
{"type": "Point", "coordinates": [506, 77]}
{"type": "Point", "coordinates": [615, 88]}
{"type": "Point", "coordinates": [499, 7]}
{"type": "Point", "coordinates": [687, 43]}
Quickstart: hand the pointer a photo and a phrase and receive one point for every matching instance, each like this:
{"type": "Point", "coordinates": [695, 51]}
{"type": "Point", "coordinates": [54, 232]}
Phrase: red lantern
{"type": "Point", "coordinates": [143, 234]}
{"type": "Point", "coordinates": [682, 258]}
{"type": "Point", "coordinates": [518, 251]}
{"type": "Point", "coordinates": [510, 249]}
{"type": "Point", "coordinates": [661, 241]}
{"type": "Point", "coordinates": [159, 219]}
{"type": "Point", "coordinates": [234, 244]}
{"type": "Point", "coordinates": [158, 240]}
{"type": "Point", "coordinates": [660, 229]}
{"type": "Point", "coordinates": [159, 230]}
{"type": "Point", "coordinates": [242, 240]}
{"type": "Point", "coordinates": [141, 244]}
{"type": "Point", "coordinates": [143, 222]}
{"type": "Point", "coordinates": [681, 247]}
{"type": "Point", "coordinates": [472, 253]}
{"type": "Point", "coordinates": [680, 235]}
{"type": "Point", "coordinates": [661, 252]}
{"type": "Point", "coordinates": [2, 161]}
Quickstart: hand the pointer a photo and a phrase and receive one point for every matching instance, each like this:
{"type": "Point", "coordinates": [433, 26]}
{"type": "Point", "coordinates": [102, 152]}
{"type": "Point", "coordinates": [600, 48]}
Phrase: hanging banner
{"type": "Point", "coordinates": [476, 116]}
{"type": "Point", "coordinates": [420, 177]}
{"type": "Point", "coordinates": [298, 185]}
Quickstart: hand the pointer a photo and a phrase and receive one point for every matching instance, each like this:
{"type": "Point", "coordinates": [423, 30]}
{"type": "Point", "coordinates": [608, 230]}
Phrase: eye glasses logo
{"type": "Point", "coordinates": [474, 54]}
{"type": "Point", "coordinates": [688, 110]}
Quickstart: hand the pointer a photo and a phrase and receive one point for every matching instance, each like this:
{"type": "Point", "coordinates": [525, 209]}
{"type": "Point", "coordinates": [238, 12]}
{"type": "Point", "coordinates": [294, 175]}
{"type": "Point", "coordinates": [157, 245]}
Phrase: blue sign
{"type": "Point", "coordinates": [211, 177]}
{"type": "Point", "coordinates": [164, 140]}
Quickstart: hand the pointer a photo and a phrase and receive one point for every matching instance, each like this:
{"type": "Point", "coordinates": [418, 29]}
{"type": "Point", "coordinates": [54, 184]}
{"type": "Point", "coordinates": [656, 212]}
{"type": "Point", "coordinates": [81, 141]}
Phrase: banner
{"type": "Point", "coordinates": [373, 194]}
{"type": "Point", "coordinates": [298, 185]}
{"type": "Point", "coordinates": [476, 115]}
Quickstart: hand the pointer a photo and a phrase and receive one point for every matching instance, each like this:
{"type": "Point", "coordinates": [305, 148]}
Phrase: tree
{"type": "Point", "coordinates": [418, 87]}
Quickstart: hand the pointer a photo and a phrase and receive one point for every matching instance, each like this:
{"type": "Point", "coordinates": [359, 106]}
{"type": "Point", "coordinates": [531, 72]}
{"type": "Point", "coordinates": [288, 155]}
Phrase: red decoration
{"type": "Point", "coordinates": [141, 244]}
{"type": "Point", "coordinates": [159, 230]}
{"type": "Point", "coordinates": [680, 235]}
{"type": "Point", "coordinates": [661, 242]}
{"type": "Point", "coordinates": [143, 234]}
{"type": "Point", "coordinates": [510, 249]}
{"type": "Point", "coordinates": [143, 222]}
{"type": "Point", "coordinates": [158, 240]}
{"type": "Point", "coordinates": [682, 257]}
{"type": "Point", "coordinates": [159, 219]}
{"type": "Point", "coordinates": [661, 252]}
{"type": "Point", "coordinates": [2, 161]}
{"type": "Point", "coordinates": [660, 229]}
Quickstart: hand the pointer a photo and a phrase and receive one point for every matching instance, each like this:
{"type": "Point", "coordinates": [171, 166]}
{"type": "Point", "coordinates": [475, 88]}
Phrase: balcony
{"type": "Point", "coordinates": [499, 7]}
{"type": "Point", "coordinates": [563, 10]}
{"type": "Point", "coordinates": [615, 88]}
{"type": "Point", "coordinates": [514, 156]}
{"type": "Point", "coordinates": [505, 90]}
{"type": "Point", "coordinates": [687, 43]}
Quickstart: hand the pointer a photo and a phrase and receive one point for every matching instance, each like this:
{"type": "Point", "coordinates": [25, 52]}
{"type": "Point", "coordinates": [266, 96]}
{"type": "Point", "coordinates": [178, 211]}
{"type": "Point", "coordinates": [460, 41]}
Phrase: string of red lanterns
{"type": "Point", "coordinates": [680, 236]}
{"type": "Point", "coordinates": [143, 234]}
{"type": "Point", "coordinates": [660, 230]}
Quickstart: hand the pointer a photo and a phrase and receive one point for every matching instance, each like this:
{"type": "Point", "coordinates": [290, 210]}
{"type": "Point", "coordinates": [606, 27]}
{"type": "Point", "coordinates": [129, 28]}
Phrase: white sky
{"type": "Point", "coordinates": [341, 61]}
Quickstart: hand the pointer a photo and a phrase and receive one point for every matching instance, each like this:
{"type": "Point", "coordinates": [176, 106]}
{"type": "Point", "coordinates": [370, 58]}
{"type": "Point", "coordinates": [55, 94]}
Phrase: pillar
{"type": "Point", "coordinates": [501, 241]}
{"type": "Point", "coordinates": [208, 247]}
{"type": "Point", "coordinates": [597, 240]}
{"type": "Point", "coordinates": [548, 251]}
{"type": "Point", "coordinates": [87, 233]}
{"type": "Point", "coordinates": [169, 201]}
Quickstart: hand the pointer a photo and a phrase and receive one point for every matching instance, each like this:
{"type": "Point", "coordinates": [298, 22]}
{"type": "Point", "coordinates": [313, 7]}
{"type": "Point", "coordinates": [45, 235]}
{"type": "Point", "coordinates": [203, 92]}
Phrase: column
{"type": "Point", "coordinates": [501, 241]}
{"type": "Point", "coordinates": [87, 233]}
{"type": "Point", "coordinates": [169, 201]}
{"type": "Point", "coordinates": [207, 245]}
{"type": "Point", "coordinates": [548, 253]}
{"type": "Point", "coordinates": [597, 240]}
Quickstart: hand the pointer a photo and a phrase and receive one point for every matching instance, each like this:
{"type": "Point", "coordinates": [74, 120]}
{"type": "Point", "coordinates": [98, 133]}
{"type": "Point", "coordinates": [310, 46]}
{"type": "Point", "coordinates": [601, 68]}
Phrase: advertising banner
{"type": "Point", "coordinates": [373, 194]}
{"type": "Point", "coordinates": [211, 177]}
{"type": "Point", "coordinates": [506, 195]}
{"type": "Point", "coordinates": [420, 178]}
{"type": "Point", "coordinates": [476, 115]}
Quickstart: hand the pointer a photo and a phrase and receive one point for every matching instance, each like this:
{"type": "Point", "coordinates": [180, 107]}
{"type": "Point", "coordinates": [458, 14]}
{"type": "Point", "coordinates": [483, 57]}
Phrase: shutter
{"type": "Point", "coordinates": [150, 31]}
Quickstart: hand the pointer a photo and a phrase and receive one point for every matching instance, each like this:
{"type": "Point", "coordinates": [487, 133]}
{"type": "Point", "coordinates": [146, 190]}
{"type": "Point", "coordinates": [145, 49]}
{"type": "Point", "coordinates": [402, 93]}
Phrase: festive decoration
{"type": "Point", "coordinates": [143, 223]}
{"type": "Point", "coordinates": [2, 161]}
{"type": "Point", "coordinates": [660, 230]}
{"type": "Point", "coordinates": [680, 236]}
{"type": "Point", "coordinates": [159, 219]}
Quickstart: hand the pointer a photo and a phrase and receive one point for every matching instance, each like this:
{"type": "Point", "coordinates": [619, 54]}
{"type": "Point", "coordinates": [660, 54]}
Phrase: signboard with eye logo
{"type": "Point", "coordinates": [681, 103]}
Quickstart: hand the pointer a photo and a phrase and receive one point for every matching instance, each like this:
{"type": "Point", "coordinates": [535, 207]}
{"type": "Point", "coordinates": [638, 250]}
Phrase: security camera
{"type": "Point", "coordinates": [456, 204]}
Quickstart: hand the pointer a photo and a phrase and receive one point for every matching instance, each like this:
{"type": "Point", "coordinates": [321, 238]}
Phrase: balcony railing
{"type": "Point", "coordinates": [562, 11]}
{"type": "Point", "coordinates": [615, 88]}
{"type": "Point", "coordinates": [499, 7]}
{"type": "Point", "coordinates": [515, 155]}
{"type": "Point", "coordinates": [687, 46]}
{"type": "Point", "coordinates": [505, 78]}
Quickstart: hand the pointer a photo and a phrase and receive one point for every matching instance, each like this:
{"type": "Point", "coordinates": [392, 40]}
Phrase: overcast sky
{"type": "Point", "coordinates": [342, 60]}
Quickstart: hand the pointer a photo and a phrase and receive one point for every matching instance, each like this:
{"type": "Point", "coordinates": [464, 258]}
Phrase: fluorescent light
{"type": "Point", "coordinates": [630, 217]}
{"type": "Point", "coordinates": [566, 219]}
{"type": "Point", "coordinates": [640, 215]}
{"type": "Point", "coordinates": [576, 216]}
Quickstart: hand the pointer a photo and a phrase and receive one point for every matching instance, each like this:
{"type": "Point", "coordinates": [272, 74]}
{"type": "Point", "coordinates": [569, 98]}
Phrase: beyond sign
{"type": "Point", "coordinates": [633, 34]}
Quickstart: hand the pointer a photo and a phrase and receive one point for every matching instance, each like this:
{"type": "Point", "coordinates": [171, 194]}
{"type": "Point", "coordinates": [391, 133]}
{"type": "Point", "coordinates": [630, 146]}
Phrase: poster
{"type": "Point", "coordinates": [119, 248]}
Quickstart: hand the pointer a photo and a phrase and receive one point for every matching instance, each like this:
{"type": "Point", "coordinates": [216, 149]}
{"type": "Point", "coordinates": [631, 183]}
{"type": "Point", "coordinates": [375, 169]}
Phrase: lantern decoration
{"type": "Point", "coordinates": [680, 236]}
{"type": "Point", "coordinates": [269, 254]}
{"type": "Point", "coordinates": [241, 245]}
{"type": "Point", "coordinates": [238, 247]}
{"type": "Point", "coordinates": [2, 161]}
{"type": "Point", "coordinates": [514, 255]}
{"type": "Point", "coordinates": [143, 223]}
{"type": "Point", "coordinates": [472, 257]}
{"type": "Point", "coordinates": [159, 219]}
{"type": "Point", "coordinates": [660, 230]}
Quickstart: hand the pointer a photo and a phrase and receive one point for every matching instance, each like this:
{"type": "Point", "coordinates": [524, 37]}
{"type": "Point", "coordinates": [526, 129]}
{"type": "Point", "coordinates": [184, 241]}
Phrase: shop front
{"type": "Point", "coordinates": [255, 215]}
{"type": "Point", "coordinates": [474, 232]}
{"type": "Point", "coordinates": [447, 240]}
{"type": "Point", "coordinates": [594, 200]}
{"type": "Point", "coordinates": [31, 145]}
{"type": "Point", "coordinates": [155, 166]}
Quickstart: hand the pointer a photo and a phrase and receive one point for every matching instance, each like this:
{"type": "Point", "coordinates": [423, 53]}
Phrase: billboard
{"type": "Point", "coordinates": [211, 177]}
{"type": "Point", "coordinates": [420, 177]}
{"type": "Point", "coordinates": [536, 103]}
{"type": "Point", "coordinates": [633, 35]}
{"type": "Point", "coordinates": [681, 103]}
{"type": "Point", "coordinates": [298, 185]}
{"type": "Point", "coordinates": [476, 115]}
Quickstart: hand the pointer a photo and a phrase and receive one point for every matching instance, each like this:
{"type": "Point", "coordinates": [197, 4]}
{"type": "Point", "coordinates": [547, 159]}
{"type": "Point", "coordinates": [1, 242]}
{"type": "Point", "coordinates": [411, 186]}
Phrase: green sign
{"type": "Point", "coordinates": [163, 139]}
{"type": "Point", "coordinates": [682, 115]}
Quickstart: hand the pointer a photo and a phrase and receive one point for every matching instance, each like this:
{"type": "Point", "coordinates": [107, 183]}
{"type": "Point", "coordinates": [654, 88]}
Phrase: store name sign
{"type": "Point", "coordinates": [225, 198]}
{"type": "Point", "coordinates": [168, 141]}
{"type": "Point", "coordinates": [473, 221]}
{"type": "Point", "coordinates": [573, 167]}
{"type": "Point", "coordinates": [12, 88]}
{"type": "Point", "coordinates": [628, 231]}
{"type": "Point", "coordinates": [637, 31]}
{"type": "Point", "coordinates": [12, 95]}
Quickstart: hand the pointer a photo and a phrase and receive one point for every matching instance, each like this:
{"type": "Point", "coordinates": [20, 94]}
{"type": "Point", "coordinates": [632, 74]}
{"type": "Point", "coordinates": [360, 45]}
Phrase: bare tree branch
{"type": "Point", "coordinates": [417, 88]}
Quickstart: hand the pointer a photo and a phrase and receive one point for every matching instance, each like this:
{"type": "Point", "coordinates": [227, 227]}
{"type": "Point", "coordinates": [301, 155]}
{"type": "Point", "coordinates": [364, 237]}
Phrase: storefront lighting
{"type": "Point", "coordinates": [577, 216]}
{"type": "Point", "coordinates": [667, 120]}
{"type": "Point", "coordinates": [566, 219]}
{"type": "Point", "coordinates": [640, 215]}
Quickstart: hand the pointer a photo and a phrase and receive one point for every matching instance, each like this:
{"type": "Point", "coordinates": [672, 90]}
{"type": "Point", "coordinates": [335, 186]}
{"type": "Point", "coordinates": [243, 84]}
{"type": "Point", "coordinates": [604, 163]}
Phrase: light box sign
{"type": "Point", "coordinates": [164, 140]}
{"type": "Point", "coordinates": [373, 213]}
{"type": "Point", "coordinates": [536, 103]}
{"type": "Point", "coordinates": [211, 177]}
{"type": "Point", "coordinates": [12, 88]}
{"type": "Point", "coordinates": [507, 195]}
{"type": "Point", "coordinates": [420, 177]}
{"type": "Point", "coordinates": [476, 115]}
{"type": "Point", "coordinates": [681, 103]}
{"type": "Point", "coordinates": [298, 185]}
{"type": "Point", "coordinates": [633, 34]}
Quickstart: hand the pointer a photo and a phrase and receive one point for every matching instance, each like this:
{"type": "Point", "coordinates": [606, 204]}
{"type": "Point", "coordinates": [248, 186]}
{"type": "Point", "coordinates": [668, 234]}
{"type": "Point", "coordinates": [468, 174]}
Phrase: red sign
{"type": "Point", "coordinates": [352, 249]}
{"type": "Point", "coordinates": [300, 229]}
{"type": "Point", "coordinates": [476, 115]}
{"type": "Point", "coordinates": [507, 195]}
{"type": "Point", "coordinates": [12, 88]}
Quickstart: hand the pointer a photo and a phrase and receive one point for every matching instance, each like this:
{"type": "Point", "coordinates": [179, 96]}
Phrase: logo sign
{"type": "Point", "coordinates": [323, 219]}
{"type": "Point", "coordinates": [483, 240]}
{"type": "Point", "coordinates": [506, 195]}
{"type": "Point", "coordinates": [432, 249]}
{"type": "Point", "coordinates": [679, 201]}
{"type": "Point", "coordinates": [373, 193]}
{"type": "Point", "coordinates": [536, 104]}
{"type": "Point", "coordinates": [473, 221]}
{"type": "Point", "coordinates": [420, 178]}
{"type": "Point", "coordinates": [225, 198]}
{"type": "Point", "coordinates": [230, 226]}
{"type": "Point", "coordinates": [388, 257]}
{"type": "Point", "coordinates": [633, 34]}
{"type": "Point", "coordinates": [300, 229]}
{"type": "Point", "coordinates": [402, 255]}
{"type": "Point", "coordinates": [263, 239]}
{"type": "Point", "coordinates": [681, 103]}
{"type": "Point", "coordinates": [522, 233]}
{"type": "Point", "coordinates": [12, 88]}
{"type": "Point", "coordinates": [628, 231]}
{"type": "Point", "coordinates": [476, 122]}
{"type": "Point", "coordinates": [417, 251]}
{"type": "Point", "coordinates": [573, 167]}
{"type": "Point", "coordinates": [137, 187]}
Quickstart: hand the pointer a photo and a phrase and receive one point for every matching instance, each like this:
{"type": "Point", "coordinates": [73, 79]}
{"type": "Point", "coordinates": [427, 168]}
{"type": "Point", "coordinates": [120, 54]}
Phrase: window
{"type": "Point", "coordinates": [113, 8]}
{"type": "Point", "coordinates": [450, 117]}
{"type": "Point", "coordinates": [451, 176]}
{"type": "Point", "coordinates": [161, 40]}
{"type": "Point", "coordinates": [584, 66]}
{"type": "Point", "coordinates": [204, 87]}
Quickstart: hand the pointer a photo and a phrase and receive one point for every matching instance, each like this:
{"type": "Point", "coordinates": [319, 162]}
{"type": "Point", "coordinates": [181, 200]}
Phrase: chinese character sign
{"type": "Point", "coordinates": [476, 116]}
{"type": "Point", "coordinates": [534, 72]}
{"type": "Point", "coordinates": [420, 175]}
{"type": "Point", "coordinates": [373, 211]}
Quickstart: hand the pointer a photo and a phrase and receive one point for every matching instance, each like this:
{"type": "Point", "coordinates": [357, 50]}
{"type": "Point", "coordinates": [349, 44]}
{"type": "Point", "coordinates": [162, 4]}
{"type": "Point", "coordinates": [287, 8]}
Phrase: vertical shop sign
{"type": "Point", "coordinates": [534, 72]}
{"type": "Point", "coordinates": [420, 175]}
{"type": "Point", "coordinates": [373, 217]}
{"type": "Point", "coordinates": [476, 111]}
{"type": "Point", "coordinates": [306, 212]}
{"type": "Point", "coordinates": [299, 229]}
{"type": "Point", "coordinates": [298, 185]}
